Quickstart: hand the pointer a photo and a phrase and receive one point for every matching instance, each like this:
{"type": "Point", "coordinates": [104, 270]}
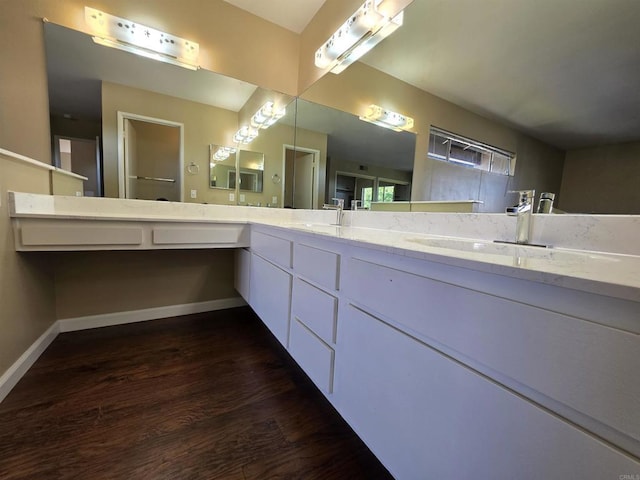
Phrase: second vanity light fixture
{"type": "Point", "coordinates": [266, 116]}
{"type": "Point", "coordinates": [368, 26]}
{"type": "Point", "coordinates": [219, 154]}
{"type": "Point", "coordinates": [245, 135]}
{"type": "Point", "coordinates": [386, 118]}
{"type": "Point", "coordinates": [123, 34]}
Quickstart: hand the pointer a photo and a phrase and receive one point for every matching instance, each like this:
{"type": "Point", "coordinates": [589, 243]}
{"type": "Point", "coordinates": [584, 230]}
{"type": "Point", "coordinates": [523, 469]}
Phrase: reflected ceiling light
{"type": "Point", "coordinates": [245, 135]}
{"type": "Point", "coordinates": [123, 34]}
{"type": "Point", "coordinates": [387, 118]}
{"type": "Point", "coordinates": [267, 115]}
{"type": "Point", "coordinates": [219, 154]}
{"type": "Point", "coordinates": [362, 31]}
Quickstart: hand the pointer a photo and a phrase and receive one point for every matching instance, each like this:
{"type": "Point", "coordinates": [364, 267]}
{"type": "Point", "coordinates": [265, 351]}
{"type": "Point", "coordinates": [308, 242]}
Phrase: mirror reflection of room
{"type": "Point", "coordinates": [547, 160]}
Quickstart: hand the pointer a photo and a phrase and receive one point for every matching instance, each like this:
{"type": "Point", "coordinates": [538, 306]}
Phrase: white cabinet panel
{"type": "Point", "coordinates": [320, 266]}
{"type": "Point", "coordinates": [426, 416]}
{"type": "Point", "coordinates": [276, 249]}
{"type": "Point", "coordinates": [242, 272]}
{"type": "Point", "coordinates": [270, 295]}
{"type": "Point", "coordinates": [316, 309]}
{"type": "Point", "coordinates": [210, 234]}
{"type": "Point", "coordinates": [57, 235]}
{"type": "Point", "coordinates": [590, 368]}
{"type": "Point", "coordinates": [313, 355]}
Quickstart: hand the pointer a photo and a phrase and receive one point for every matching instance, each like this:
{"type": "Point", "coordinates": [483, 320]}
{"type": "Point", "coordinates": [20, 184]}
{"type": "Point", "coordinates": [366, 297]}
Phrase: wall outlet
{"type": "Point", "coordinates": [78, 194]}
{"type": "Point", "coordinates": [232, 197]}
{"type": "Point", "coordinates": [194, 194]}
{"type": "Point", "coordinates": [274, 200]}
{"type": "Point", "coordinates": [242, 197]}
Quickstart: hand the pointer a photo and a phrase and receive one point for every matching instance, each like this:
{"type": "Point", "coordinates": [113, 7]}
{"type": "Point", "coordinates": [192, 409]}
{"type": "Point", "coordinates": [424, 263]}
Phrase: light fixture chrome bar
{"type": "Point", "coordinates": [123, 34]}
{"type": "Point", "coordinates": [387, 118]}
{"type": "Point", "coordinates": [369, 25]}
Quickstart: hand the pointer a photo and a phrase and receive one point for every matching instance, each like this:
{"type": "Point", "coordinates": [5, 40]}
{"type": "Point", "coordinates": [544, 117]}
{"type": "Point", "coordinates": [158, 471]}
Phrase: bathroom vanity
{"type": "Point", "coordinates": [451, 357]}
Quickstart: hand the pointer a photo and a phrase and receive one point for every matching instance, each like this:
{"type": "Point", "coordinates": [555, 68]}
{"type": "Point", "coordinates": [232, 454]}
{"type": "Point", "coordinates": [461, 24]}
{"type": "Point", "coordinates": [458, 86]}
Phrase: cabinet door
{"type": "Point", "coordinates": [427, 416]}
{"type": "Point", "coordinates": [270, 296]}
{"type": "Point", "coordinates": [242, 272]}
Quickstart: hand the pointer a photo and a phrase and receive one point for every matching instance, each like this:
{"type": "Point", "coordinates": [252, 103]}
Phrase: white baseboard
{"type": "Point", "coordinates": [133, 316]}
{"type": "Point", "coordinates": [12, 376]}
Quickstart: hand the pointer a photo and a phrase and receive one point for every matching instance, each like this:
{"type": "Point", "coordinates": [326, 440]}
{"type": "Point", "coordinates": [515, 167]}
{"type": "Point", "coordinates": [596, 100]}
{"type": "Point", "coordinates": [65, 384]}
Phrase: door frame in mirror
{"type": "Point", "coordinates": [315, 204]}
{"type": "Point", "coordinates": [122, 167]}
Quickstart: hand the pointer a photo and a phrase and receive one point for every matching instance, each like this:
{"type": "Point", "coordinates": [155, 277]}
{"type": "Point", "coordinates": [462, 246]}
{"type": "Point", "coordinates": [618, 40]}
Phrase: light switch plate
{"type": "Point", "coordinates": [194, 193]}
{"type": "Point", "coordinates": [232, 197]}
{"type": "Point", "coordinates": [274, 200]}
{"type": "Point", "coordinates": [242, 197]}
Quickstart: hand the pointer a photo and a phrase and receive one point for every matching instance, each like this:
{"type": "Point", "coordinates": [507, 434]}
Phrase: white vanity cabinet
{"type": "Point", "coordinates": [293, 288]}
{"type": "Point", "coordinates": [270, 281]}
{"type": "Point", "coordinates": [314, 310]}
{"type": "Point", "coordinates": [425, 415]}
{"type": "Point", "coordinates": [444, 376]}
{"type": "Point", "coordinates": [449, 372]}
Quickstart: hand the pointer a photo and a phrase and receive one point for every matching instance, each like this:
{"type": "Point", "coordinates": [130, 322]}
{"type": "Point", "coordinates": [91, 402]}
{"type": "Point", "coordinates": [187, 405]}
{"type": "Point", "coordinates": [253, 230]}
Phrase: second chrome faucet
{"type": "Point", "coordinates": [338, 206]}
{"type": "Point", "coordinates": [523, 211]}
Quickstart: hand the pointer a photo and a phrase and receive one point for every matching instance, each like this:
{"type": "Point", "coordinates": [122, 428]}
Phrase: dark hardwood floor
{"type": "Point", "coordinates": [209, 396]}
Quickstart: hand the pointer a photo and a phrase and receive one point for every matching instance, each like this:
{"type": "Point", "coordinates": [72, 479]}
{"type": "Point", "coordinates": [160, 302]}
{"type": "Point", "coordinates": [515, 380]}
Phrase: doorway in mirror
{"type": "Point", "coordinates": [300, 177]}
{"type": "Point", "coordinates": [150, 154]}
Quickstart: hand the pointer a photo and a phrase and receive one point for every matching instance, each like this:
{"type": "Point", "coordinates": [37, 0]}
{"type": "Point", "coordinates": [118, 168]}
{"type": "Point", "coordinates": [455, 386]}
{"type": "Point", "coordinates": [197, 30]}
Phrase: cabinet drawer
{"type": "Point", "coordinates": [590, 368]}
{"type": "Point", "coordinates": [270, 295]}
{"type": "Point", "coordinates": [313, 355]}
{"type": "Point", "coordinates": [276, 249]}
{"type": "Point", "coordinates": [316, 309]}
{"type": "Point", "coordinates": [410, 405]}
{"type": "Point", "coordinates": [320, 266]}
{"type": "Point", "coordinates": [197, 235]}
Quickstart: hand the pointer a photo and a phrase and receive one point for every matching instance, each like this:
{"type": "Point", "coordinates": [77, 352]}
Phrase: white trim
{"type": "Point", "coordinates": [17, 156]}
{"type": "Point", "coordinates": [15, 372]}
{"type": "Point", "coordinates": [12, 376]}
{"type": "Point", "coordinates": [119, 318]}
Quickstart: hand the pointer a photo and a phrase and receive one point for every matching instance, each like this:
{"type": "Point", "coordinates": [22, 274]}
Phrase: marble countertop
{"type": "Point", "coordinates": [615, 275]}
{"type": "Point", "coordinates": [468, 242]}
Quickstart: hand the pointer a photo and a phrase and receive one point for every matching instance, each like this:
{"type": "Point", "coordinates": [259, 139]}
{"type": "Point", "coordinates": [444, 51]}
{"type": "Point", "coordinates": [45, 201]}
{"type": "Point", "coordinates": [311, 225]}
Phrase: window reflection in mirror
{"type": "Point", "coordinates": [360, 155]}
{"type": "Point", "coordinates": [222, 166]}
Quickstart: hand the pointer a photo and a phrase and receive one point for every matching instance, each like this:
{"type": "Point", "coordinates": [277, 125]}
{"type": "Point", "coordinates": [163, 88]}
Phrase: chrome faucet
{"type": "Point", "coordinates": [338, 206]}
{"type": "Point", "coordinates": [523, 211]}
{"type": "Point", "coordinates": [354, 204]}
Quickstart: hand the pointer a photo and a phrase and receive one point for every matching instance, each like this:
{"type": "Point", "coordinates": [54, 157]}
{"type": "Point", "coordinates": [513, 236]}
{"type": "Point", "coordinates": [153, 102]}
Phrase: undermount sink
{"type": "Point", "coordinates": [520, 254]}
{"type": "Point", "coordinates": [484, 246]}
{"type": "Point", "coordinates": [464, 245]}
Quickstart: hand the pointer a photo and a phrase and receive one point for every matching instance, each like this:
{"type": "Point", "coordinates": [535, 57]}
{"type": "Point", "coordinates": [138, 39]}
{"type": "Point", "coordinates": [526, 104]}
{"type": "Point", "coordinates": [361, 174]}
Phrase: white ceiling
{"type": "Point", "coordinates": [564, 71]}
{"type": "Point", "coordinates": [293, 15]}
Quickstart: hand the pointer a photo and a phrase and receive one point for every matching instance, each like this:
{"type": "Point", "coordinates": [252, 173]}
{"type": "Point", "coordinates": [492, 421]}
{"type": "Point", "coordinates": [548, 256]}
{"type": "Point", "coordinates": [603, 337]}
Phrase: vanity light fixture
{"type": "Point", "coordinates": [245, 135]}
{"type": "Point", "coordinates": [374, 21]}
{"type": "Point", "coordinates": [220, 154]}
{"type": "Point", "coordinates": [267, 115]}
{"type": "Point", "coordinates": [388, 119]}
{"type": "Point", "coordinates": [123, 34]}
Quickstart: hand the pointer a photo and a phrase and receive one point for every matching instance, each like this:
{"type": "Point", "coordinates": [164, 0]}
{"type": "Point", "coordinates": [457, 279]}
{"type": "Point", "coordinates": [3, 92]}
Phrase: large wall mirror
{"type": "Point", "coordinates": [566, 80]}
{"type": "Point", "coordinates": [308, 161]}
{"type": "Point", "coordinates": [94, 90]}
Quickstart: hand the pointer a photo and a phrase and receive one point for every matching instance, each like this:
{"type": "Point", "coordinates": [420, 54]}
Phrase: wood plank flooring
{"type": "Point", "coordinates": [208, 396]}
